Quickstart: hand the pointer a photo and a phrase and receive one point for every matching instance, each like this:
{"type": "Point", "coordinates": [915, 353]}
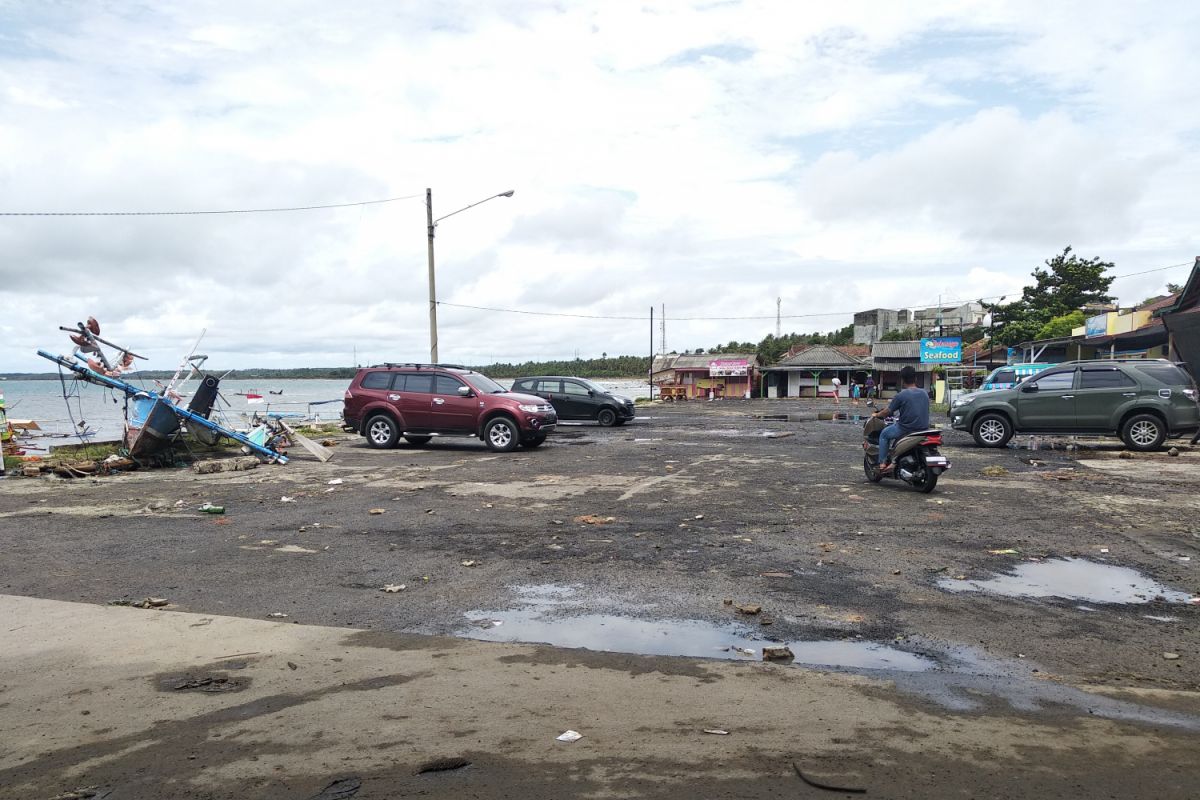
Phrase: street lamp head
{"type": "Point", "coordinates": [509, 193]}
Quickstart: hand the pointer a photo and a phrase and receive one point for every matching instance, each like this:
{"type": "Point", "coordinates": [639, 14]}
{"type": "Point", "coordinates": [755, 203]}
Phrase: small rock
{"type": "Point", "coordinates": [1170, 656]}
{"type": "Point", "coordinates": [468, 563]}
{"type": "Point", "coordinates": [777, 654]}
{"type": "Point", "coordinates": [1174, 451]}
{"type": "Point", "coordinates": [377, 511]}
{"type": "Point", "coordinates": [292, 665]}
{"type": "Point", "coordinates": [994, 471]}
{"type": "Point", "coordinates": [749, 608]}
{"type": "Point", "coordinates": [1125, 454]}
{"type": "Point", "coordinates": [393, 588]}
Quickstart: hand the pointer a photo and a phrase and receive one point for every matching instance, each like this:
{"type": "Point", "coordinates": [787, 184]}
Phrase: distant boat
{"type": "Point", "coordinates": [272, 391]}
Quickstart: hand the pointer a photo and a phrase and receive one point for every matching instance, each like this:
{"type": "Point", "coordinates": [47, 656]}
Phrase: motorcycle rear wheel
{"type": "Point", "coordinates": [871, 469]}
{"type": "Point", "coordinates": [926, 482]}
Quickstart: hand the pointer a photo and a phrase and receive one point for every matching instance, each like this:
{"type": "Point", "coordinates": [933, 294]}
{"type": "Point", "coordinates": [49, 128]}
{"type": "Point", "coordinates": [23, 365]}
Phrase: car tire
{"type": "Point", "coordinates": [606, 417]}
{"type": "Point", "coordinates": [1143, 432]}
{"type": "Point", "coordinates": [381, 432]}
{"type": "Point", "coordinates": [418, 441]}
{"type": "Point", "coordinates": [991, 430]}
{"type": "Point", "coordinates": [501, 434]}
{"type": "Point", "coordinates": [536, 441]}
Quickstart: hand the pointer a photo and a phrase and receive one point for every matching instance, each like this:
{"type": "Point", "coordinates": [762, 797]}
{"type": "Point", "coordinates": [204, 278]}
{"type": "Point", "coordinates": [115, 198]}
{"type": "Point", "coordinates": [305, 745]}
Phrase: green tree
{"type": "Point", "coordinates": [1174, 288]}
{"type": "Point", "coordinates": [1061, 325]}
{"type": "Point", "coordinates": [900, 335]}
{"type": "Point", "coordinates": [1066, 284]}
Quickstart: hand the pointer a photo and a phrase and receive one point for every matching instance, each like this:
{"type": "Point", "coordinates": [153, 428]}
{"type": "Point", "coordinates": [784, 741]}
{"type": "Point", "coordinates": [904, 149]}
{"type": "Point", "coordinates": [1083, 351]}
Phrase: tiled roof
{"type": "Point", "coordinates": [822, 355]}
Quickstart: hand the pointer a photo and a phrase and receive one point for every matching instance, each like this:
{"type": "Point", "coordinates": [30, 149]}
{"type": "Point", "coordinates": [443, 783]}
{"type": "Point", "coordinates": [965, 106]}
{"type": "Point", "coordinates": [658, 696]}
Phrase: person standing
{"type": "Point", "coordinates": [837, 388]}
{"type": "Point", "coordinates": [870, 386]}
{"type": "Point", "coordinates": [855, 391]}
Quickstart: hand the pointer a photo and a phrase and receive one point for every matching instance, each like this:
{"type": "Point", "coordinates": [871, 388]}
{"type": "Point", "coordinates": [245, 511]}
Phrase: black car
{"type": "Point", "coordinates": [578, 398]}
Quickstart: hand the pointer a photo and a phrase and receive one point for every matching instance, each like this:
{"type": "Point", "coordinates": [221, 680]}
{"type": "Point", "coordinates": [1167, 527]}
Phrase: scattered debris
{"type": "Point", "coordinates": [377, 511]}
{"type": "Point", "coordinates": [469, 563]}
{"type": "Point", "coordinates": [341, 789]}
{"type": "Point", "coordinates": [744, 651]}
{"type": "Point", "coordinates": [225, 465]}
{"type": "Point", "coordinates": [443, 765]}
{"type": "Point", "coordinates": [149, 602]}
{"type": "Point", "coordinates": [1124, 454]}
{"type": "Point", "coordinates": [592, 519]}
{"type": "Point", "coordinates": [1174, 451]}
{"type": "Point", "coordinates": [994, 471]}
{"type": "Point", "coordinates": [1170, 656]}
{"type": "Point", "coordinates": [1103, 549]}
{"type": "Point", "coordinates": [716, 731]}
{"type": "Point", "coordinates": [293, 548]}
{"type": "Point", "coordinates": [293, 665]}
{"type": "Point", "coordinates": [85, 793]}
{"type": "Point", "coordinates": [569, 736]}
{"type": "Point", "coordinates": [277, 615]}
{"type": "Point", "coordinates": [698, 516]}
{"type": "Point", "coordinates": [778, 654]}
{"type": "Point", "coordinates": [827, 787]}
{"type": "Point", "coordinates": [1007, 551]}
{"type": "Point", "coordinates": [728, 601]}
{"type": "Point", "coordinates": [211, 684]}
{"type": "Point", "coordinates": [286, 499]}
{"type": "Point", "coordinates": [775, 574]}
{"type": "Point", "coordinates": [335, 482]}
{"type": "Point", "coordinates": [393, 588]}
{"type": "Point", "coordinates": [749, 608]}
{"type": "Point", "coordinates": [209, 508]}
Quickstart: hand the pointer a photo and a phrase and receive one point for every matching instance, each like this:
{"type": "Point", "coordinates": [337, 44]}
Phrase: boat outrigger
{"type": "Point", "coordinates": [154, 420]}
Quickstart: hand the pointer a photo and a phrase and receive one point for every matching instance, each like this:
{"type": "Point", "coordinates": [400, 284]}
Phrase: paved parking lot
{"type": "Point", "coordinates": [647, 539]}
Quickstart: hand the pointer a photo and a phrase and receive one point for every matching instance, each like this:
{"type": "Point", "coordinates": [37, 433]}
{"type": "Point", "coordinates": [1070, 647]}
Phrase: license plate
{"type": "Point", "coordinates": [936, 461]}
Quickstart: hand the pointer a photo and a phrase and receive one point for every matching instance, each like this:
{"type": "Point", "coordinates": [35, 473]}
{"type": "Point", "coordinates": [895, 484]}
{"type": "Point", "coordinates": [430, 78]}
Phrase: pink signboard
{"type": "Point", "coordinates": [728, 367]}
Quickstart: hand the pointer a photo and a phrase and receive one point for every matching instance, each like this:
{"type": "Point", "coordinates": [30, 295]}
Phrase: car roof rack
{"type": "Point", "coordinates": [420, 366]}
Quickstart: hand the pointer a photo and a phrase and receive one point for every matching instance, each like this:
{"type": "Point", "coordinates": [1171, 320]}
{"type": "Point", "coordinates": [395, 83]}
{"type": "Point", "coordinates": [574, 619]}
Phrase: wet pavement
{"type": "Point", "coordinates": [613, 545]}
{"type": "Point", "coordinates": [1072, 579]}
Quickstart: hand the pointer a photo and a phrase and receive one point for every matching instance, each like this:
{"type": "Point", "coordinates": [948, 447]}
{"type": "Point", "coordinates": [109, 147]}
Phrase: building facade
{"type": "Point", "coordinates": [871, 326]}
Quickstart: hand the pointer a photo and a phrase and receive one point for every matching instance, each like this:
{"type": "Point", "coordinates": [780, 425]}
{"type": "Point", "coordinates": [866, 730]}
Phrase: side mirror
{"type": "Point", "coordinates": [464, 391]}
{"type": "Point", "coordinates": [591, 393]}
{"type": "Point", "coordinates": [1029, 387]}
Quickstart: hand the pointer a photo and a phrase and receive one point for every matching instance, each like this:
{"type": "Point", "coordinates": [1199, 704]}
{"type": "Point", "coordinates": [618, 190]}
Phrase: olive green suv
{"type": "Point", "coordinates": [1141, 400]}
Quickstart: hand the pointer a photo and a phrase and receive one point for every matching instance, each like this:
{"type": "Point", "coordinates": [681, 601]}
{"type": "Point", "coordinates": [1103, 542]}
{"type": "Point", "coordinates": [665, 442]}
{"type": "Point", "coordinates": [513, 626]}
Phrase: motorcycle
{"type": "Point", "coordinates": [915, 457]}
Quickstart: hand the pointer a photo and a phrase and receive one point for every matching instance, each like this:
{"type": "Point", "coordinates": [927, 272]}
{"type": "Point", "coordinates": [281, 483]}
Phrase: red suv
{"type": "Point", "coordinates": [419, 401]}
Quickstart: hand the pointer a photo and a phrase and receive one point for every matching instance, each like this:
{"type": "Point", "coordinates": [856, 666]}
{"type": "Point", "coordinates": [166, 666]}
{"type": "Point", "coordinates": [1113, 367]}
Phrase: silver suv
{"type": "Point", "coordinates": [1141, 400]}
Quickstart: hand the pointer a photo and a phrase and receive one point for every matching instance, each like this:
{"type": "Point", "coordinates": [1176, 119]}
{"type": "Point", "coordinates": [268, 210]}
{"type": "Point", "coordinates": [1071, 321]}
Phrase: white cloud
{"type": "Point", "coordinates": [710, 156]}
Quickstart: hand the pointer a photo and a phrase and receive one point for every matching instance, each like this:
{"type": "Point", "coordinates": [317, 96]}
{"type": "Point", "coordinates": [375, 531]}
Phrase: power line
{"type": "Point", "coordinates": [197, 213]}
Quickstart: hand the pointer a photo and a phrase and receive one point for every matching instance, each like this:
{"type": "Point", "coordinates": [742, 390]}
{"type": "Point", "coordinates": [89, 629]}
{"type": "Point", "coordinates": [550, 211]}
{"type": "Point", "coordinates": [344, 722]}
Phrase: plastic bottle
{"type": "Point", "coordinates": [209, 508]}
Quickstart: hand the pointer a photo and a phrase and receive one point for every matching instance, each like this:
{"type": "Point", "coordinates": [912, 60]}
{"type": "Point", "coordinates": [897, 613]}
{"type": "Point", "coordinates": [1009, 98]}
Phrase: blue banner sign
{"type": "Point", "coordinates": [946, 350]}
{"type": "Point", "coordinates": [1096, 326]}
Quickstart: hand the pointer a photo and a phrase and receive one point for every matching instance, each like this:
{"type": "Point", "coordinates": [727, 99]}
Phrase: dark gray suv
{"type": "Point", "coordinates": [578, 398]}
{"type": "Point", "coordinates": [1141, 400]}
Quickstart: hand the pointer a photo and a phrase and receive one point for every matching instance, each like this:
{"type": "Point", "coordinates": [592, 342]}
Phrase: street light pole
{"type": "Point", "coordinates": [433, 342]}
{"type": "Point", "coordinates": [431, 228]}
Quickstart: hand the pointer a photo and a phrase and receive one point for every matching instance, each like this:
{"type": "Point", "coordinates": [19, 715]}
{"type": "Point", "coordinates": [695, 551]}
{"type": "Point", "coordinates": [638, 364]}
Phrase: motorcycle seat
{"type": "Point", "coordinates": [926, 432]}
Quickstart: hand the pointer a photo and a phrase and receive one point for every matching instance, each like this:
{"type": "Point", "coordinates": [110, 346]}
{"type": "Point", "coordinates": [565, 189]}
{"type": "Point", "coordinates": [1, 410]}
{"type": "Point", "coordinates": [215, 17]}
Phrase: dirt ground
{"type": "Point", "coordinates": [631, 540]}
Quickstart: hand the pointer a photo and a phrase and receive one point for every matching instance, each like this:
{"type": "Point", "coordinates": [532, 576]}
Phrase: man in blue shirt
{"type": "Point", "coordinates": [911, 406]}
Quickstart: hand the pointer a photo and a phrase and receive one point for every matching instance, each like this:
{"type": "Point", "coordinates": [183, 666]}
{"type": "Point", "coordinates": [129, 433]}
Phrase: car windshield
{"type": "Point", "coordinates": [483, 384]}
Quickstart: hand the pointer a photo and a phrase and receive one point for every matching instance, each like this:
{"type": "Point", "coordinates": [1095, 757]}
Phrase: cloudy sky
{"type": "Point", "coordinates": [712, 156]}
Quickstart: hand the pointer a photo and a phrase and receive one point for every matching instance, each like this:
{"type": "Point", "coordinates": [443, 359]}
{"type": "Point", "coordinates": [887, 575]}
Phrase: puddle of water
{"type": "Point", "coordinates": [1072, 579]}
{"type": "Point", "coordinates": [696, 638]}
{"type": "Point", "coordinates": [772, 417]}
{"type": "Point", "coordinates": [842, 416]}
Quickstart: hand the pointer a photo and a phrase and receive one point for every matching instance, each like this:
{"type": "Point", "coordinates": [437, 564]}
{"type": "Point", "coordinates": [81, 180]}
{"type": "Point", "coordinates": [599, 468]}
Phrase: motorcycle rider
{"type": "Point", "coordinates": [911, 406]}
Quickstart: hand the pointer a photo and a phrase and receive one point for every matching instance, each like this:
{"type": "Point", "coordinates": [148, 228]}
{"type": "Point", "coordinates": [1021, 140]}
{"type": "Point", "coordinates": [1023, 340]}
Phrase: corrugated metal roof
{"type": "Point", "coordinates": [896, 350]}
{"type": "Point", "coordinates": [696, 360]}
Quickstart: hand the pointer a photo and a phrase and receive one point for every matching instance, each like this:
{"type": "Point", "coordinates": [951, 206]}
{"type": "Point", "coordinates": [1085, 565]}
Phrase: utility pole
{"type": "Point", "coordinates": [650, 369]}
{"type": "Point", "coordinates": [433, 342]}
